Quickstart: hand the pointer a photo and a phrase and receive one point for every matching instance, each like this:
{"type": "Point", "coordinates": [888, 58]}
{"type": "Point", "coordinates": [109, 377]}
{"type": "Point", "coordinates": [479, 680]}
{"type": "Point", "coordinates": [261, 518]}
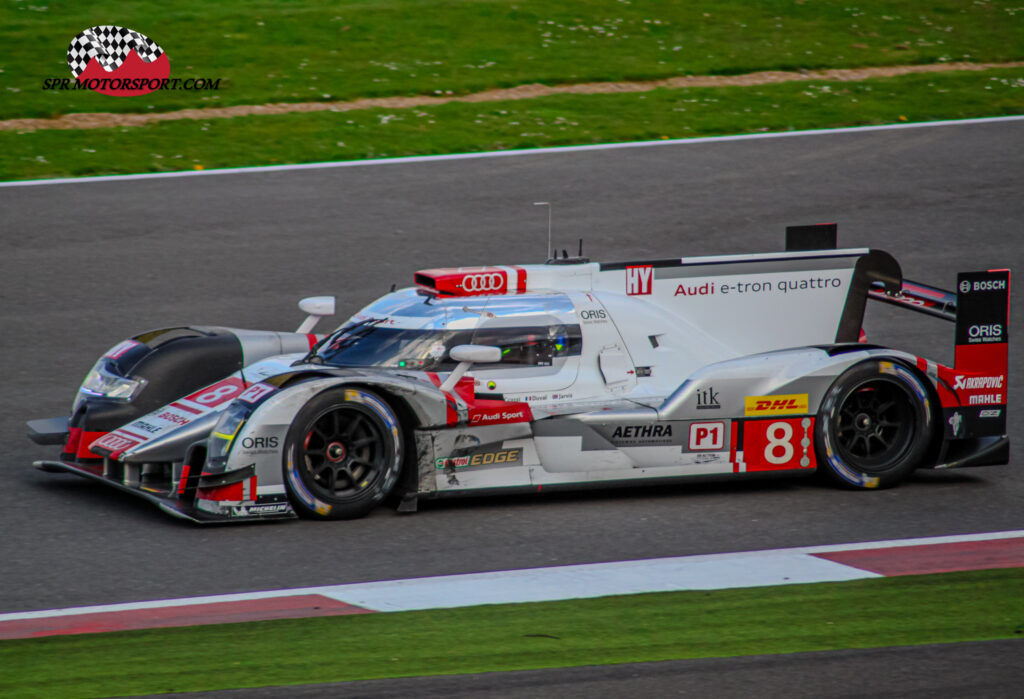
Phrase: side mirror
{"type": "Point", "coordinates": [466, 356]}
{"type": "Point", "coordinates": [316, 307]}
{"type": "Point", "coordinates": [476, 354]}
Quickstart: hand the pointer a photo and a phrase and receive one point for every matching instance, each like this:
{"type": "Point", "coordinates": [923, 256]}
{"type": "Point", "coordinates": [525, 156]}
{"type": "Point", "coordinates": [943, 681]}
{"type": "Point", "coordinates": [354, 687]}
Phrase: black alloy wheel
{"type": "Point", "coordinates": [343, 454]}
{"type": "Point", "coordinates": [875, 425]}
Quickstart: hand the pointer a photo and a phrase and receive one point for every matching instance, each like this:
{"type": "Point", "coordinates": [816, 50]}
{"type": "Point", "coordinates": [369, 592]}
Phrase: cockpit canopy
{"type": "Point", "coordinates": [415, 329]}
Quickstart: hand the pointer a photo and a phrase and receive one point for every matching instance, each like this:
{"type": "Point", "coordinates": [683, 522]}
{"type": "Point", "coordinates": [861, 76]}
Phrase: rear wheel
{"type": "Point", "coordinates": [875, 426]}
{"type": "Point", "coordinates": [343, 454]}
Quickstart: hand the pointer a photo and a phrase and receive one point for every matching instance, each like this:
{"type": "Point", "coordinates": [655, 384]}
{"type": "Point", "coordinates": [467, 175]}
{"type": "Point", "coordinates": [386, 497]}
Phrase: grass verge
{"type": "Point", "coordinates": [546, 121]}
{"type": "Point", "coordinates": [290, 51]}
{"type": "Point", "coordinates": [970, 606]}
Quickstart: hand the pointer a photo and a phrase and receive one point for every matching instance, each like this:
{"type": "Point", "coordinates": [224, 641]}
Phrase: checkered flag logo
{"type": "Point", "coordinates": [110, 45]}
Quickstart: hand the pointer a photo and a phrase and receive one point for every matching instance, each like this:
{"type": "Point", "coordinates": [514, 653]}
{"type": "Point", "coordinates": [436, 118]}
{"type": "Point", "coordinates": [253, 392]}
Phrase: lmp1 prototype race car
{"type": "Point", "coordinates": [558, 375]}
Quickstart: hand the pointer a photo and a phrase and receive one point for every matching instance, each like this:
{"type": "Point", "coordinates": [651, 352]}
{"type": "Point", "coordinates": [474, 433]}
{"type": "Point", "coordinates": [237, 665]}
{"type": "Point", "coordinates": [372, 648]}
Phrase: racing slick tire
{"type": "Point", "coordinates": [343, 454]}
{"type": "Point", "coordinates": [875, 426]}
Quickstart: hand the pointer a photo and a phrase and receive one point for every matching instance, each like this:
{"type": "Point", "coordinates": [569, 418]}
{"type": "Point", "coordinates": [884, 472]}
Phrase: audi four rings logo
{"type": "Point", "coordinates": [494, 281]}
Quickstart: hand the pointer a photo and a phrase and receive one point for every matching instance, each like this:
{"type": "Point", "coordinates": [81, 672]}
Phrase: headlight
{"type": "Point", "coordinates": [101, 382]}
{"type": "Point", "coordinates": [223, 436]}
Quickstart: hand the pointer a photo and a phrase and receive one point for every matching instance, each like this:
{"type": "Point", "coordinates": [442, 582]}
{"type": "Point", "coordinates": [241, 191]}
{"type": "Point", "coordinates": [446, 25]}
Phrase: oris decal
{"type": "Point", "coordinates": [595, 315]}
{"type": "Point", "coordinates": [992, 332]}
{"type": "Point", "coordinates": [260, 443]}
{"type": "Point", "coordinates": [482, 283]}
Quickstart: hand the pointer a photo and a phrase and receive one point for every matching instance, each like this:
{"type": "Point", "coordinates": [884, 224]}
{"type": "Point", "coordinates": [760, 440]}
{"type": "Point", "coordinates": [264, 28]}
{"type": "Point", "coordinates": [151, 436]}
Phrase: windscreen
{"type": "Point", "coordinates": [414, 330]}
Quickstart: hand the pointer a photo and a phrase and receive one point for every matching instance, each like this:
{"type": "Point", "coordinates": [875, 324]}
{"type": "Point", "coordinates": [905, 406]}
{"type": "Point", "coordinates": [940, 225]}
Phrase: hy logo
{"type": "Point", "coordinates": [638, 279]}
{"type": "Point", "coordinates": [117, 61]}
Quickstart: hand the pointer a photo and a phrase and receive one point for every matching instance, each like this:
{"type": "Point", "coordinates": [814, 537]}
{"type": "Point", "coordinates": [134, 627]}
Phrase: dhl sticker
{"type": "Point", "coordinates": [794, 404]}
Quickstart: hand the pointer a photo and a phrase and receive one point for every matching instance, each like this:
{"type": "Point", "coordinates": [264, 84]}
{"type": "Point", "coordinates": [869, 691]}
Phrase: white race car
{"type": "Point", "coordinates": [558, 375]}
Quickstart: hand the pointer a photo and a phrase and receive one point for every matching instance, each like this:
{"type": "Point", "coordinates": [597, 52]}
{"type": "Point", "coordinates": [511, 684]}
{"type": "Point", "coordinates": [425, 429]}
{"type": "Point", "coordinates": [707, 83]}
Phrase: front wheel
{"type": "Point", "coordinates": [875, 426]}
{"type": "Point", "coordinates": [342, 455]}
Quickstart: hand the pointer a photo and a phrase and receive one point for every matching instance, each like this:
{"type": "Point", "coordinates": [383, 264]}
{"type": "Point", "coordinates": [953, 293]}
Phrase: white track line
{"type": "Point", "coordinates": [503, 153]}
{"type": "Point", "coordinates": [705, 572]}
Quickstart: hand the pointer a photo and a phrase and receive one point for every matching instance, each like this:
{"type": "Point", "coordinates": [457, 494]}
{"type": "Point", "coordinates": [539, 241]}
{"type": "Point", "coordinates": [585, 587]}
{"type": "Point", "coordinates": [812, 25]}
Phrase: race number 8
{"type": "Point", "coordinates": [216, 395]}
{"type": "Point", "coordinates": [779, 436]}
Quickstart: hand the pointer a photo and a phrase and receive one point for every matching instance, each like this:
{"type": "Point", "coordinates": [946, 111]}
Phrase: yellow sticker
{"type": "Point", "coordinates": [794, 404]}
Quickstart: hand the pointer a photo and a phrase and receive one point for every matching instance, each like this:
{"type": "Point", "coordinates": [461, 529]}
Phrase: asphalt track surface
{"type": "Point", "coordinates": [88, 264]}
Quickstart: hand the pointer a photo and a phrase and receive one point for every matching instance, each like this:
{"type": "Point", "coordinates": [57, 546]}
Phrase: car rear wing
{"type": "Point", "coordinates": [918, 297]}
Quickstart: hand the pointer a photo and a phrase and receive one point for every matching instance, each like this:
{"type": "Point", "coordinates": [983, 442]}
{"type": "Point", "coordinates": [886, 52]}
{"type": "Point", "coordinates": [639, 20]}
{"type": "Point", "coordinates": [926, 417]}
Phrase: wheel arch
{"type": "Point", "coordinates": [934, 408]}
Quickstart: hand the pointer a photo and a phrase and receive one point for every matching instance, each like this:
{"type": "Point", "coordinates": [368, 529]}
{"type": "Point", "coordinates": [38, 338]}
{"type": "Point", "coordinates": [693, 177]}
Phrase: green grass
{"type": "Point", "coordinates": [288, 51]}
{"type": "Point", "coordinates": [548, 121]}
{"type": "Point", "coordinates": [973, 606]}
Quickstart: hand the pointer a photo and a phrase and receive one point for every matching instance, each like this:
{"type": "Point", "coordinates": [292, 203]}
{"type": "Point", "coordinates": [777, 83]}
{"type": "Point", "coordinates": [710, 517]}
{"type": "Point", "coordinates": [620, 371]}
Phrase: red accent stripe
{"type": "Point", "coordinates": [298, 607]}
{"type": "Point", "coordinates": [923, 291]}
{"type": "Point", "coordinates": [181, 406]}
{"type": "Point", "coordinates": [312, 340]}
{"type": "Point", "coordinates": [520, 278]}
{"type": "Point", "coordinates": [733, 429]}
{"type": "Point", "coordinates": [934, 558]}
{"type": "Point", "coordinates": [74, 439]}
{"type": "Point", "coordinates": [232, 492]}
{"type": "Point", "coordinates": [184, 478]}
{"type": "Point", "coordinates": [86, 440]}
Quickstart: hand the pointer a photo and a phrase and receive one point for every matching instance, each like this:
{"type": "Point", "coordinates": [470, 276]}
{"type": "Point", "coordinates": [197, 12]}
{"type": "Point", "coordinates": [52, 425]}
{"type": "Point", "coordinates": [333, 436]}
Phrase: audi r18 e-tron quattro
{"type": "Point", "coordinates": [557, 375]}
